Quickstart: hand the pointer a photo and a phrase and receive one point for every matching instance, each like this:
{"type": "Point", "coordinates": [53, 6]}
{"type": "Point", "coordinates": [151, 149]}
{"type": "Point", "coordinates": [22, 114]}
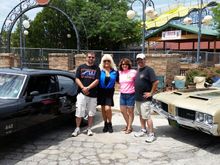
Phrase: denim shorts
{"type": "Point", "coordinates": [127, 99]}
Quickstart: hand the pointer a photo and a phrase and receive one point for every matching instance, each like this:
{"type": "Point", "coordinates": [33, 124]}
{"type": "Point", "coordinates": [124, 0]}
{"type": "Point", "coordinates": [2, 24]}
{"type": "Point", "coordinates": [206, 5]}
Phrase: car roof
{"type": "Point", "coordinates": [28, 71]}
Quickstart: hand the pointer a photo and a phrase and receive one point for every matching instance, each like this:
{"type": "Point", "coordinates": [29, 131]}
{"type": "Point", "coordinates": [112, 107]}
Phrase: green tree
{"type": "Point", "coordinates": [102, 24]}
{"type": "Point", "coordinates": [15, 36]}
{"type": "Point", "coordinates": [107, 24]}
{"type": "Point", "coordinates": [217, 15]}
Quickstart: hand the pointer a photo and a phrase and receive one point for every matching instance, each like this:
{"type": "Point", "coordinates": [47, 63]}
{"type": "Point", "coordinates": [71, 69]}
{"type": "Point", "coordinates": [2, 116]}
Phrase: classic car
{"type": "Point", "coordinates": [191, 108]}
{"type": "Point", "coordinates": [32, 96]}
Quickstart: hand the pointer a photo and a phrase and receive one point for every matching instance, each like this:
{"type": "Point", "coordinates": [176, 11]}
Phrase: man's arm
{"type": "Point", "coordinates": [93, 84]}
{"type": "Point", "coordinates": [154, 87]}
{"type": "Point", "coordinates": [84, 89]}
{"type": "Point", "coordinates": [96, 81]}
{"type": "Point", "coordinates": [79, 83]}
{"type": "Point", "coordinates": [153, 90]}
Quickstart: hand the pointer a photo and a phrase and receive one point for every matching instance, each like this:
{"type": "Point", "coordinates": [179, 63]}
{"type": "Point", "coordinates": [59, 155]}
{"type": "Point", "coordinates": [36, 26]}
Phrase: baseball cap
{"type": "Point", "coordinates": [140, 55]}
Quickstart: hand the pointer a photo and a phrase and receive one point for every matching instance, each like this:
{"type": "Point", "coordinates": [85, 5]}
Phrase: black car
{"type": "Point", "coordinates": [32, 96]}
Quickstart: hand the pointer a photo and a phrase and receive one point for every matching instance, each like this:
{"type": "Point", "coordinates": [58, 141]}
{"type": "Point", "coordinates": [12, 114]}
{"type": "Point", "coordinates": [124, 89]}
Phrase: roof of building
{"type": "Point", "coordinates": [189, 28]}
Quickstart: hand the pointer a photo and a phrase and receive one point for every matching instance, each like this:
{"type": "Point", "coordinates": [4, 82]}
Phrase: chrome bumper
{"type": "Point", "coordinates": [210, 129]}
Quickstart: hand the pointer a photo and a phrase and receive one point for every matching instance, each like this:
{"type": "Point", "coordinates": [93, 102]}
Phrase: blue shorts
{"type": "Point", "coordinates": [127, 99]}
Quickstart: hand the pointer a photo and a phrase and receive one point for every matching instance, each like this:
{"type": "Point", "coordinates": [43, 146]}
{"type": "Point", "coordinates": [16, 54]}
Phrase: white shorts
{"type": "Point", "coordinates": [85, 105]}
{"type": "Point", "coordinates": [143, 109]}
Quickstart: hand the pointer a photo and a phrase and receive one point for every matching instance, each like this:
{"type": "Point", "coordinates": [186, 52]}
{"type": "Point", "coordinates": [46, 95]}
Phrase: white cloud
{"type": "Point", "coordinates": [6, 7]}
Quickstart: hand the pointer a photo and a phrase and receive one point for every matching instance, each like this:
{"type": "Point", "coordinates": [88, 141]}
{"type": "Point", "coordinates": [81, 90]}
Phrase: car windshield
{"type": "Point", "coordinates": [10, 85]}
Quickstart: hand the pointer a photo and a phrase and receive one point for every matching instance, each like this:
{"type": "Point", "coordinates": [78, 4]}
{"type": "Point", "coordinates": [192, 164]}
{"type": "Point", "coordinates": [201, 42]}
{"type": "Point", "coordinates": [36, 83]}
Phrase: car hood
{"type": "Point", "coordinates": [206, 101]}
{"type": "Point", "coordinates": [7, 102]}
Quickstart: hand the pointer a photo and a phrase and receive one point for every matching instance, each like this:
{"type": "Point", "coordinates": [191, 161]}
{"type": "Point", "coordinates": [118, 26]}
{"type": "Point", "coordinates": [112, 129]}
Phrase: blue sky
{"type": "Point", "coordinates": [7, 5]}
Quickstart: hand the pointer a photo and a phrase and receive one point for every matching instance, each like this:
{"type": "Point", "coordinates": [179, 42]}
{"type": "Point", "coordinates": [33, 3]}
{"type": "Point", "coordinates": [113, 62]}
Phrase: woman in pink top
{"type": "Point", "coordinates": [127, 99]}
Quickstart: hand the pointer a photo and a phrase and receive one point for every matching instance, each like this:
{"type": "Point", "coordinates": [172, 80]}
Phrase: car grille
{"type": "Point", "coordinates": [164, 106]}
{"type": "Point", "coordinates": [186, 113]}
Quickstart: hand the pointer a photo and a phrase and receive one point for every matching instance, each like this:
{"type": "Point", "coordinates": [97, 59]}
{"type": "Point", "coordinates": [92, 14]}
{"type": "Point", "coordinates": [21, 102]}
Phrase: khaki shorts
{"type": "Point", "coordinates": [85, 105]}
{"type": "Point", "coordinates": [143, 109]}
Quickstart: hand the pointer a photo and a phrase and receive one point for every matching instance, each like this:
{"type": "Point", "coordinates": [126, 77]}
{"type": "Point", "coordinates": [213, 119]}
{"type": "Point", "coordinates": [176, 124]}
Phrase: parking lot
{"type": "Point", "coordinates": [54, 145]}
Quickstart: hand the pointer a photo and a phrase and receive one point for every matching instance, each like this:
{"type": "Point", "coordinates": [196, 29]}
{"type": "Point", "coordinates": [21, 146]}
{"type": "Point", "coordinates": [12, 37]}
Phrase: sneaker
{"type": "Point", "coordinates": [150, 138]}
{"type": "Point", "coordinates": [76, 132]}
{"type": "Point", "coordinates": [141, 133]}
{"type": "Point", "coordinates": [89, 132]}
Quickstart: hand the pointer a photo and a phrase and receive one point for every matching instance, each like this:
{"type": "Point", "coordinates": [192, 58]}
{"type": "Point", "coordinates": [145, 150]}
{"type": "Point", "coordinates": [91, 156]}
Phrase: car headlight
{"type": "Point", "coordinates": [200, 117]}
{"type": "Point", "coordinates": [208, 119]}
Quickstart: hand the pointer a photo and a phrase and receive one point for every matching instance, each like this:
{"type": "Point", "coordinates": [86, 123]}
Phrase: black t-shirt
{"type": "Point", "coordinates": [88, 74]}
{"type": "Point", "coordinates": [143, 82]}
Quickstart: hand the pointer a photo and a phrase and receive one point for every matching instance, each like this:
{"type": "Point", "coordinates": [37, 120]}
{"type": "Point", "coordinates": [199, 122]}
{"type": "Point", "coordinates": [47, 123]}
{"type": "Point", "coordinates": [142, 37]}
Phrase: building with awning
{"type": "Point", "coordinates": [181, 37]}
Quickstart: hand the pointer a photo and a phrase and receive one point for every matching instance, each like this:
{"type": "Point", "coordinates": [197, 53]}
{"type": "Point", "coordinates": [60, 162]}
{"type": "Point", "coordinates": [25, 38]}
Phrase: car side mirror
{"type": "Point", "coordinates": [31, 96]}
{"type": "Point", "coordinates": [34, 93]}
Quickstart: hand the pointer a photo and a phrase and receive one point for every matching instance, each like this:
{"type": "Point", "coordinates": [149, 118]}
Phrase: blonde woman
{"type": "Point", "coordinates": [107, 80]}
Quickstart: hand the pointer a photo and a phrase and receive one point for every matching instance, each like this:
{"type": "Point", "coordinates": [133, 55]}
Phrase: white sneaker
{"type": "Point", "coordinates": [89, 132]}
{"type": "Point", "coordinates": [150, 138]}
{"type": "Point", "coordinates": [76, 132]}
{"type": "Point", "coordinates": [141, 133]}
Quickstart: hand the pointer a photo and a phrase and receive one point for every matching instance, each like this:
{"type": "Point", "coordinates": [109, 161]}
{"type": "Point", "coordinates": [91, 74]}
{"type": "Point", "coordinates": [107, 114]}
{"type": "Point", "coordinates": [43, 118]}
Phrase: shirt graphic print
{"type": "Point", "coordinates": [88, 73]}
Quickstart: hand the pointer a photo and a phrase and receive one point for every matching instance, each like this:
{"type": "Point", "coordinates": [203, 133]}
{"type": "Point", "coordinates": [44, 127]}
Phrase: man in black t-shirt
{"type": "Point", "coordinates": [87, 79]}
{"type": "Point", "coordinates": [145, 86]}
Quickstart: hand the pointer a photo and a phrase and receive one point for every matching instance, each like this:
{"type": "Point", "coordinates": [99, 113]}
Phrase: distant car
{"type": "Point", "coordinates": [191, 108]}
{"type": "Point", "coordinates": [31, 96]}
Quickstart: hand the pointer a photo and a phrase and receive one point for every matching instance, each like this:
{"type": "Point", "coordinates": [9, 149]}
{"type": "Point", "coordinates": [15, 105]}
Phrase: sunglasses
{"type": "Point", "coordinates": [124, 64]}
{"type": "Point", "coordinates": [91, 57]}
{"type": "Point", "coordinates": [107, 61]}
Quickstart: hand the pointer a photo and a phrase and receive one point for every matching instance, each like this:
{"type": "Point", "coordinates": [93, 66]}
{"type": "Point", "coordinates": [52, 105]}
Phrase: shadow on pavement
{"type": "Point", "coordinates": [26, 143]}
{"type": "Point", "coordinates": [193, 137]}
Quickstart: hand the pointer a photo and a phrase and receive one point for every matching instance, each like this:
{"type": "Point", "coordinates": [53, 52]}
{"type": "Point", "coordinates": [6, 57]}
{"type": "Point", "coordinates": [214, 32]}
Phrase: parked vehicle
{"type": "Point", "coordinates": [191, 108]}
{"type": "Point", "coordinates": [32, 96]}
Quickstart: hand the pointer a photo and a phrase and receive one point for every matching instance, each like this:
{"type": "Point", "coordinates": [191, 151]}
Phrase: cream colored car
{"type": "Point", "coordinates": [191, 108]}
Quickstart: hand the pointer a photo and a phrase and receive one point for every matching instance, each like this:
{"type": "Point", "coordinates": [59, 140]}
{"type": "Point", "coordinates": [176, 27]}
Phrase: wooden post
{"type": "Point", "coordinates": [148, 47]}
{"type": "Point", "coordinates": [164, 45]}
{"type": "Point", "coordinates": [208, 45]}
{"type": "Point", "coordinates": [214, 45]}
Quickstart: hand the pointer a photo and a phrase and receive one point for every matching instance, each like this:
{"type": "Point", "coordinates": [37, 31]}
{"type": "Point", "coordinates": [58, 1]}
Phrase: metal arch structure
{"type": "Point", "coordinates": [18, 11]}
{"type": "Point", "coordinates": [144, 3]}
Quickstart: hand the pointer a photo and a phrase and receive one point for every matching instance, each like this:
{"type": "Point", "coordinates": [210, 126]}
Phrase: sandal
{"type": "Point", "coordinates": [128, 131]}
{"type": "Point", "coordinates": [124, 129]}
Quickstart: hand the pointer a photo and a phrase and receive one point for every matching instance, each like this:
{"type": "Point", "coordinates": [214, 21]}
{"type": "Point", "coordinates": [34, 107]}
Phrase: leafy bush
{"type": "Point", "coordinates": [210, 73]}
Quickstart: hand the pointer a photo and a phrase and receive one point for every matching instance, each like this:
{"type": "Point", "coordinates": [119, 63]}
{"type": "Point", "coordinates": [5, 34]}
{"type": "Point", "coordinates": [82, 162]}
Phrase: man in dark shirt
{"type": "Point", "coordinates": [145, 86]}
{"type": "Point", "coordinates": [87, 79]}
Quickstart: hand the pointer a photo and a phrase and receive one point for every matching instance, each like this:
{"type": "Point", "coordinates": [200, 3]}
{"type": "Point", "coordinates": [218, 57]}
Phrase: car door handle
{"type": "Point", "coordinates": [63, 99]}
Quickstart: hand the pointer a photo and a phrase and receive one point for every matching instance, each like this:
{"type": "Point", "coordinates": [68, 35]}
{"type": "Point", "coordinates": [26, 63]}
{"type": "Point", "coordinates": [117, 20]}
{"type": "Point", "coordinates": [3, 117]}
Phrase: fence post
{"type": "Point", "coordinates": [41, 55]}
{"type": "Point", "coordinates": [134, 64]}
{"type": "Point", "coordinates": [206, 59]}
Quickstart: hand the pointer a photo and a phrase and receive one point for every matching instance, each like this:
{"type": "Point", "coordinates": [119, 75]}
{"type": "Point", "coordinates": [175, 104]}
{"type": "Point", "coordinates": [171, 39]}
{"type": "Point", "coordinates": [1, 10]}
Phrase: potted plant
{"type": "Point", "coordinates": [212, 74]}
{"type": "Point", "coordinates": [190, 74]}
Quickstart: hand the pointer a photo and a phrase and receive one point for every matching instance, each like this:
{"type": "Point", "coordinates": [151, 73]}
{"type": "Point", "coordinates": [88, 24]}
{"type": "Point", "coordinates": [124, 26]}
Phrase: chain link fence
{"type": "Point", "coordinates": [38, 57]}
{"type": "Point", "coordinates": [207, 59]}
